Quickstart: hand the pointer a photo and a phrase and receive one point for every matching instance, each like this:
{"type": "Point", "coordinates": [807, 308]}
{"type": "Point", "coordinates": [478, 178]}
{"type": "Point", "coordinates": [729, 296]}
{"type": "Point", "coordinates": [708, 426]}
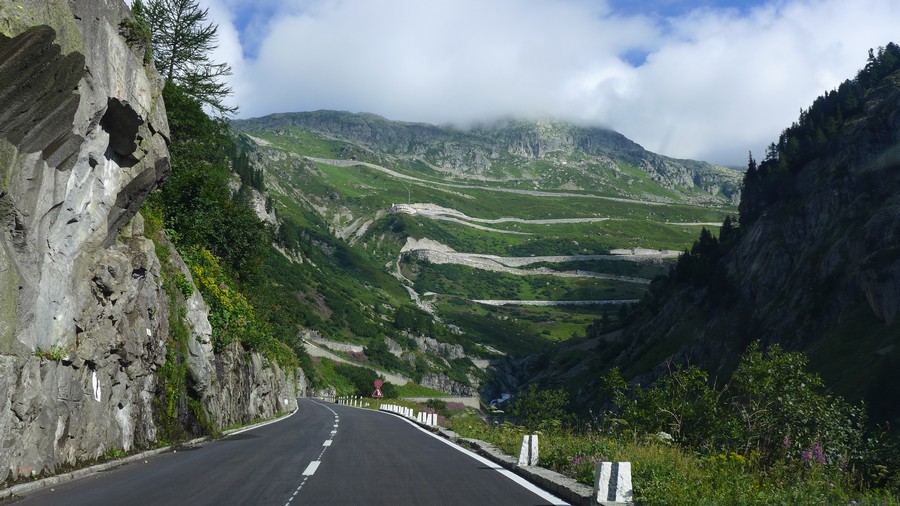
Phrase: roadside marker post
{"type": "Point", "coordinates": [612, 483]}
{"type": "Point", "coordinates": [528, 454]}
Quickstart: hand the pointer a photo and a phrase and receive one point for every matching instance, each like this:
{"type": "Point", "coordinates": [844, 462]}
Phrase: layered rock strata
{"type": "Point", "coordinates": [84, 321]}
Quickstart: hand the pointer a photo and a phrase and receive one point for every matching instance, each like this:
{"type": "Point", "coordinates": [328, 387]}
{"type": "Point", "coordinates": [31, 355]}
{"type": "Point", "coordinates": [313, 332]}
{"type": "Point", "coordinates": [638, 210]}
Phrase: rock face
{"type": "Point", "coordinates": [819, 272]}
{"type": "Point", "coordinates": [83, 316]}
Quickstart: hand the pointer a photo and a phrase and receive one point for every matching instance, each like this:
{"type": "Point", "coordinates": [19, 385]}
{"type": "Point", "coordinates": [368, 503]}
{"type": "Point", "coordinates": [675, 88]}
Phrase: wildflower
{"type": "Point", "coordinates": [786, 444]}
{"type": "Point", "coordinates": [818, 453]}
{"type": "Point", "coordinates": [807, 455]}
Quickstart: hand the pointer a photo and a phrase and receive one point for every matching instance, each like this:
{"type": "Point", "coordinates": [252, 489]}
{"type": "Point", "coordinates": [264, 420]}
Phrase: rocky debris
{"type": "Point", "coordinates": [395, 349]}
{"type": "Point", "coordinates": [435, 347]}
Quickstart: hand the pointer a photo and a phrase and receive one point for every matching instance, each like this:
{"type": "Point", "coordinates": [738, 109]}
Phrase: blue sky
{"type": "Point", "coordinates": [708, 79]}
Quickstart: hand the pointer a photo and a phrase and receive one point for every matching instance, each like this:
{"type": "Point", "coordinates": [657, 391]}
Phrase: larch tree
{"type": "Point", "coordinates": [183, 43]}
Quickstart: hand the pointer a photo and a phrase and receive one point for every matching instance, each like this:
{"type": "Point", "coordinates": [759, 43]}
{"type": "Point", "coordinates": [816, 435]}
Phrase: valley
{"type": "Point", "coordinates": [173, 278]}
{"type": "Point", "coordinates": [470, 225]}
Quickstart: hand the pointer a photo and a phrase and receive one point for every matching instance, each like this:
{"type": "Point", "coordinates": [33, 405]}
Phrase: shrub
{"type": "Point", "coordinates": [538, 409]}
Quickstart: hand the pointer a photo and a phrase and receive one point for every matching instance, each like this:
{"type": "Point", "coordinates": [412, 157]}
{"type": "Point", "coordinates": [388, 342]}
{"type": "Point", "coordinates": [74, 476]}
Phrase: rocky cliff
{"type": "Point", "coordinates": [84, 320]}
{"type": "Point", "coordinates": [817, 271]}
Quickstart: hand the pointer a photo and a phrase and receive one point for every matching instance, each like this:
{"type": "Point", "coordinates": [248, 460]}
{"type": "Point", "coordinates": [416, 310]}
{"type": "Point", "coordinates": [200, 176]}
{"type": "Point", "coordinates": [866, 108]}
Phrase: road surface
{"type": "Point", "coordinates": [324, 454]}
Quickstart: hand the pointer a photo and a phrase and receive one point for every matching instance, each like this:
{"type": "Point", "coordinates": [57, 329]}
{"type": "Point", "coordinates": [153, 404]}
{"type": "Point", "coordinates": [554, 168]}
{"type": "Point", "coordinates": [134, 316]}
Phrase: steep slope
{"type": "Point", "coordinates": [508, 239]}
{"type": "Point", "coordinates": [545, 154]}
{"type": "Point", "coordinates": [88, 331]}
{"type": "Point", "coordinates": [815, 264]}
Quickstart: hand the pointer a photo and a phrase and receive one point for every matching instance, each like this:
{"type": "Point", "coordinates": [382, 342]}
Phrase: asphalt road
{"type": "Point", "coordinates": [324, 454]}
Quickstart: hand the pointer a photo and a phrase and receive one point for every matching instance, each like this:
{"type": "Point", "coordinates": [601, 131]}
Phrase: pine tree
{"type": "Point", "coordinates": [182, 48]}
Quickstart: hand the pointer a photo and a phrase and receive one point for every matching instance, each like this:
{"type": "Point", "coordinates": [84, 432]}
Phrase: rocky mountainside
{"type": "Point", "coordinates": [547, 154]}
{"type": "Point", "coordinates": [817, 269]}
{"type": "Point", "coordinates": [85, 322]}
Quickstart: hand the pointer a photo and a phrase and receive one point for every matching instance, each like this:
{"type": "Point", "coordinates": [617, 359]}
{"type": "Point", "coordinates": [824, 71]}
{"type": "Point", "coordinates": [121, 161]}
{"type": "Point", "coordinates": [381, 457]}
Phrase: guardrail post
{"type": "Point", "coordinates": [528, 454]}
{"type": "Point", "coordinates": [612, 483]}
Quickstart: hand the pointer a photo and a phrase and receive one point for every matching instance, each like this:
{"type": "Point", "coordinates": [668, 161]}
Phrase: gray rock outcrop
{"type": "Point", "coordinates": [83, 138]}
{"type": "Point", "coordinates": [84, 320]}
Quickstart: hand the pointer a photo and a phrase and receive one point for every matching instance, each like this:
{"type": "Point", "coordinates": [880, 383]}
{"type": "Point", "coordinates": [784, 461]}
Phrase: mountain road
{"type": "Point", "coordinates": [323, 454]}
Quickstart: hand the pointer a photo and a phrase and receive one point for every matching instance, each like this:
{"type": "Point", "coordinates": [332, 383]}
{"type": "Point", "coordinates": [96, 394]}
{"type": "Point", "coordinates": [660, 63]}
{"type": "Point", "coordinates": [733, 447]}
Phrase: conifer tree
{"type": "Point", "coordinates": [183, 43]}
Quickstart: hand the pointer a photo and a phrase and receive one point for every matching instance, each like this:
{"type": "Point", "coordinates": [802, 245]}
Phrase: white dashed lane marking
{"type": "Point", "coordinates": [311, 468]}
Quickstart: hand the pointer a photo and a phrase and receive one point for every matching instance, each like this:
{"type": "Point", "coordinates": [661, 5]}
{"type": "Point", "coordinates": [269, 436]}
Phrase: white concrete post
{"type": "Point", "coordinates": [612, 483]}
{"type": "Point", "coordinates": [528, 454]}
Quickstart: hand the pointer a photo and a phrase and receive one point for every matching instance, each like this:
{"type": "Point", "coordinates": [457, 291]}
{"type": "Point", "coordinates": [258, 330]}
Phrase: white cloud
{"type": "Point", "coordinates": [715, 82]}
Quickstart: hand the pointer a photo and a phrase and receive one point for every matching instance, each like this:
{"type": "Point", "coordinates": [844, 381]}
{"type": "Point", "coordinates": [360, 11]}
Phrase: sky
{"type": "Point", "coordinates": [706, 79]}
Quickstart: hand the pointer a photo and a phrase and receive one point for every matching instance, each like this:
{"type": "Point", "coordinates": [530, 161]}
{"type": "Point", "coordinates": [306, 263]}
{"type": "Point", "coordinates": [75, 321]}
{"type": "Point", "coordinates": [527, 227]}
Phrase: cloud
{"type": "Point", "coordinates": [714, 83]}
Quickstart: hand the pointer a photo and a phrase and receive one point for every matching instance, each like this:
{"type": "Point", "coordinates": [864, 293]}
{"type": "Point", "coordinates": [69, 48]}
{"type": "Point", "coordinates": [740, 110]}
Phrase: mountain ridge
{"type": "Point", "coordinates": [512, 149]}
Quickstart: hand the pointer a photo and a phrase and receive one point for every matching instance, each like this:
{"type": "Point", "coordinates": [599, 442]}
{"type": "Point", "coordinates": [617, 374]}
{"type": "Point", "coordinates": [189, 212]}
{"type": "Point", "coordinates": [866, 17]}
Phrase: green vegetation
{"type": "Point", "coordinates": [416, 390]}
{"type": "Point", "coordinates": [848, 343]}
{"type": "Point", "coordinates": [216, 231]}
{"type": "Point", "coordinates": [342, 289]}
{"type": "Point", "coordinates": [352, 380]}
{"type": "Point", "coordinates": [814, 134]}
{"type": "Point", "coordinates": [645, 270]}
{"type": "Point", "coordinates": [179, 416]}
{"type": "Point", "coordinates": [770, 436]}
{"type": "Point", "coordinates": [515, 330]}
{"type": "Point", "coordinates": [136, 32]}
{"type": "Point", "coordinates": [182, 49]}
{"type": "Point", "coordinates": [54, 353]}
{"type": "Point", "coordinates": [471, 283]}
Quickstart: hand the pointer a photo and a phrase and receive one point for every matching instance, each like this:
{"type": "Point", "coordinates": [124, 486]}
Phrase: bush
{"type": "Point", "coordinates": [538, 409]}
{"type": "Point", "coordinates": [772, 408]}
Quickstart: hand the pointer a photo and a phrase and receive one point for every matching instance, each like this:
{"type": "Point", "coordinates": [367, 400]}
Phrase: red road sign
{"type": "Point", "coordinates": [377, 392]}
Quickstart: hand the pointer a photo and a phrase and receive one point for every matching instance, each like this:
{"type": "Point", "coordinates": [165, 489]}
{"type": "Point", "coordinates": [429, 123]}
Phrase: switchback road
{"type": "Point", "coordinates": [324, 454]}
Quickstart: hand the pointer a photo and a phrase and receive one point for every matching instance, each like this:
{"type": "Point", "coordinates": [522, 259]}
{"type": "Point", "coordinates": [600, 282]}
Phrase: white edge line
{"type": "Point", "coordinates": [547, 496]}
{"type": "Point", "coordinates": [522, 482]}
{"type": "Point", "coordinates": [263, 424]}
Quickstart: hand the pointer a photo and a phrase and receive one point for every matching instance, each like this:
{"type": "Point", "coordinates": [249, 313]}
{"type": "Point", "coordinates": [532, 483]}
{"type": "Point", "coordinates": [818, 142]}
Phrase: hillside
{"type": "Point", "coordinates": [548, 155]}
{"type": "Point", "coordinates": [813, 265]}
{"type": "Point", "coordinates": [503, 240]}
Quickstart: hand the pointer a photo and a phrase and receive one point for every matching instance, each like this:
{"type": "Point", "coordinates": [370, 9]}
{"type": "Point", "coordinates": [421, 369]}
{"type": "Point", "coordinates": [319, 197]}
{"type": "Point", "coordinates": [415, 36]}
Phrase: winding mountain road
{"type": "Point", "coordinates": [323, 454]}
{"type": "Point", "coordinates": [533, 193]}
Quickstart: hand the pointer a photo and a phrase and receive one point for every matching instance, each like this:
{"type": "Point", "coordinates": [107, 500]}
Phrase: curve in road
{"type": "Point", "coordinates": [324, 454]}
